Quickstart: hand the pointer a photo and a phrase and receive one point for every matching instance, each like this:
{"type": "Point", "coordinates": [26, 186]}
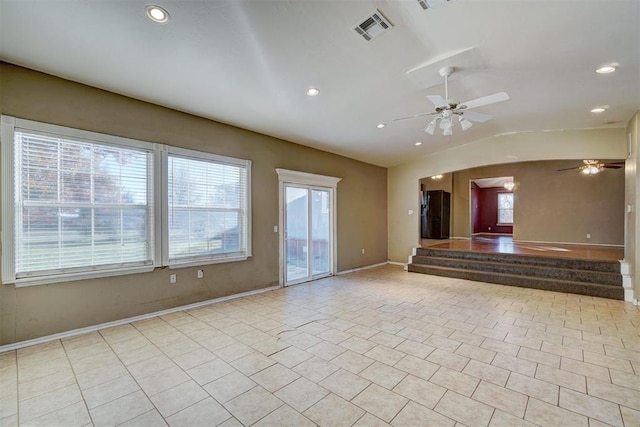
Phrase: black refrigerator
{"type": "Point", "coordinates": [434, 214]}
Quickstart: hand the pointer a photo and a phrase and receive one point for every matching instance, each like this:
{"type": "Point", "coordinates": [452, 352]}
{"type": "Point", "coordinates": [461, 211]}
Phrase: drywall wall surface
{"type": "Point", "coordinates": [403, 180]}
{"type": "Point", "coordinates": [30, 312]}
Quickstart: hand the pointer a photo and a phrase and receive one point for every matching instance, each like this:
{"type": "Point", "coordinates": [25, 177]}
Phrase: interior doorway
{"type": "Point", "coordinates": [491, 205]}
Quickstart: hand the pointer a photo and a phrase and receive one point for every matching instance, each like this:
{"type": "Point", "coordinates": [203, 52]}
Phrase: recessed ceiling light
{"type": "Point", "coordinates": [598, 110]}
{"type": "Point", "coordinates": [606, 69]}
{"type": "Point", "coordinates": [157, 14]}
{"type": "Point", "coordinates": [312, 91]}
{"type": "Point", "coordinates": [380, 125]}
{"type": "Point", "coordinates": [418, 143]}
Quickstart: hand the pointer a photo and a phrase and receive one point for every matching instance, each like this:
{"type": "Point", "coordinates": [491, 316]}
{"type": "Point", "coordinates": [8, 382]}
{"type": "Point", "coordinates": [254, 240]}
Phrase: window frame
{"type": "Point", "coordinates": [505, 224]}
{"type": "Point", "coordinates": [159, 214]}
{"type": "Point", "coordinates": [207, 157]}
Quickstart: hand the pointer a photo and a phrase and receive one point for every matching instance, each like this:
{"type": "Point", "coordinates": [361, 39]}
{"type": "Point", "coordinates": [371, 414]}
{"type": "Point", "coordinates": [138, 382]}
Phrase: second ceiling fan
{"type": "Point", "coordinates": [447, 109]}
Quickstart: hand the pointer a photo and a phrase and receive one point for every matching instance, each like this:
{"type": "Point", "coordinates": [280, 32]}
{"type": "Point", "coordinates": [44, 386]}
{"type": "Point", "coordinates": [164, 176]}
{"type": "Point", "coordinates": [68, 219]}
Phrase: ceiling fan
{"type": "Point", "coordinates": [592, 167]}
{"type": "Point", "coordinates": [447, 109]}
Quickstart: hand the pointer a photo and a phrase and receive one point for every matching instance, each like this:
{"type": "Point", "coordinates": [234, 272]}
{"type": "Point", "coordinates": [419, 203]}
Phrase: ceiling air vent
{"type": "Point", "coordinates": [373, 26]}
{"type": "Point", "coordinates": [428, 4]}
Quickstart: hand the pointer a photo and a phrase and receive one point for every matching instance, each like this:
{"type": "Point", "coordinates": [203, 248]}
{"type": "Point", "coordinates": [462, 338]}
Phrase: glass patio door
{"type": "Point", "coordinates": [307, 233]}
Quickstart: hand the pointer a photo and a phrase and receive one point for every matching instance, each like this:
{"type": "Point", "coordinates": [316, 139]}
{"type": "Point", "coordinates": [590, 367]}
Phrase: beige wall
{"type": "Point", "coordinates": [552, 206]}
{"type": "Point", "coordinates": [35, 311]}
{"type": "Point", "coordinates": [527, 146]}
{"type": "Point", "coordinates": [632, 198]}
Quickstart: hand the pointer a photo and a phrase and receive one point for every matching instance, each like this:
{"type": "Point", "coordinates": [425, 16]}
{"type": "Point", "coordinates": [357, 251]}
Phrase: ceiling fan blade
{"type": "Point", "coordinates": [412, 117]}
{"type": "Point", "coordinates": [568, 169]}
{"type": "Point", "coordinates": [611, 166]}
{"type": "Point", "coordinates": [437, 100]}
{"type": "Point", "coordinates": [476, 117]}
{"type": "Point", "coordinates": [485, 100]}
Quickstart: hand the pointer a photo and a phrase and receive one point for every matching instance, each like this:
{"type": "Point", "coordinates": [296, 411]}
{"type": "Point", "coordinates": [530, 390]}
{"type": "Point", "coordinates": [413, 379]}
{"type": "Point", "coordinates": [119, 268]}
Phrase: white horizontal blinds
{"type": "Point", "coordinates": [207, 205]}
{"type": "Point", "coordinates": [80, 205]}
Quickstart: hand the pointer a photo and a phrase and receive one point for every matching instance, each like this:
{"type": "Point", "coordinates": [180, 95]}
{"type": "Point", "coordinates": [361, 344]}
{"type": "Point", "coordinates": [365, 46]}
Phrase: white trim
{"type": "Point", "coordinates": [366, 267]}
{"type": "Point", "coordinates": [84, 275]}
{"type": "Point", "coordinates": [80, 331]}
{"type": "Point", "coordinates": [627, 280]}
{"type": "Point", "coordinates": [206, 261]}
{"type": "Point", "coordinates": [305, 178]}
{"type": "Point", "coordinates": [6, 193]}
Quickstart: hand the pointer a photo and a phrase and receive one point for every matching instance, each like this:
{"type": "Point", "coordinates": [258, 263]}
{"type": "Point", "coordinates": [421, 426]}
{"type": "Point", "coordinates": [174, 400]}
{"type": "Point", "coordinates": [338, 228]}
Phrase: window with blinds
{"type": "Point", "coordinates": [80, 205]}
{"type": "Point", "coordinates": [207, 200]}
{"type": "Point", "coordinates": [505, 208]}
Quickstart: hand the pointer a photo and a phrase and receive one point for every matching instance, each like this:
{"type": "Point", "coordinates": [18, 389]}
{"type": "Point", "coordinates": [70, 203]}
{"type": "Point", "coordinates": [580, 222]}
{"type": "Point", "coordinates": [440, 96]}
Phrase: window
{"type": "Point", "coordinates": [92, 205]}
{"type": "Point", "coordinates": [207, 205]}
{"type": "Point", "coordinates": [505, 208]}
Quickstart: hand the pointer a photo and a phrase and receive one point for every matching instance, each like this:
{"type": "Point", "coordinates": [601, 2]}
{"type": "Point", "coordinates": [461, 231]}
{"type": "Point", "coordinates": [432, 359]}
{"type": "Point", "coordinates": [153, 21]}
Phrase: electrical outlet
{"type": "Point", "coordinates": [200, 274]}
{"type": "Point", "coordinates": [173, 278]}
{"type": "Point", "coordinates": [362, 251]}
{"type": "Point", "coordinates": [588, 235]}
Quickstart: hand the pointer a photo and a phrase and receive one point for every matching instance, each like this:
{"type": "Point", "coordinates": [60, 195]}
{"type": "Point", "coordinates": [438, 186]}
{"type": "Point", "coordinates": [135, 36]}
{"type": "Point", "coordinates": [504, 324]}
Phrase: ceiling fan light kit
{"type": "Point", "coordinates": [594, 167]}
{"type": "Point", "coordinates": [446, 109]}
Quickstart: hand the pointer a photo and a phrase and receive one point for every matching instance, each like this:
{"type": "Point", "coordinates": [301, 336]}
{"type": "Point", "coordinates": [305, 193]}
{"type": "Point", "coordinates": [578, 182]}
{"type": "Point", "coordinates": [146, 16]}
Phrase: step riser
{"type": "Point", "coordinates": [613, 279]}
{"type": "Point", "coordinates": [602, 291]}
{"type": "Point", "coordinates": [540, 261]}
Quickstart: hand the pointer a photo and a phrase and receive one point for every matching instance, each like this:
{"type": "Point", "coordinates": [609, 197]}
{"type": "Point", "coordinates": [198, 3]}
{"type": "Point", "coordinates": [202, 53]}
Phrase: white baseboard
{"type": "Point", "coordinates": [85, 330]}
{"type": "Point", "coordinates": [366, 267]}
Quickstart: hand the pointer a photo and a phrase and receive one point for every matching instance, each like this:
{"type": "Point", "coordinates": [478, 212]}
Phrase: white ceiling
{"type": "Point", "coordinates": [492, 182]}
{"type": "Point", "coordinates": [249, 63]}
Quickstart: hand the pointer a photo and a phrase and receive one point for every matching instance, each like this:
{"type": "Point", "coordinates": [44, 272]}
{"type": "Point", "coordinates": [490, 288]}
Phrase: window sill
{"type": "Point", "coordinates": [200, 262]}
{"type": "Point", "coordinates": [500, 224]}
{"type": "Point", "coordinates": [70, 277]}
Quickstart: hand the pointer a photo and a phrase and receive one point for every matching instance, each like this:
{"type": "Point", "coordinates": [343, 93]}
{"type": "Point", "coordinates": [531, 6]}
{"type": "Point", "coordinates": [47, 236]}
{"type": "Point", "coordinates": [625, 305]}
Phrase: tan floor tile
{"type": "Point", "coordinates": [8, 407]}
{"type": "Point", "coordinates": [29, 389]}
{"type": "Point", "coordinates": [130, 344]}
{"type": "Point", "coordinates": [119, 333]}
{"type": "Point", "coordinates": [352, 361]}
{"type": "Point", "coordinates": [270, 345]}
{"type": "Point", "coordinates": [544, 414]}
{"type": "Point", "coordinates": [443, 343]}
{"type": "Point", "coordinates": [101, 375]}
{"type": "Point", "coordinates": [608, 361]}
{"type": "Point", "coordinates": [421, 391]}
{"type": "Point", "coordinates": [474, 352]}
{"type": "Point", "coordinates": [368, 420]}
{"type": "Point", "coordinates": [253, 405]}
{"type": "Point", "coordinates": [456, 381]}
{"type": "Point", "coordinates": [489, 373]}
{"type": "Point", "coordinates": [108, 391]}
{"type": "Point", "coordinates": [194, 358]}
{"type": "Point", "coordinates": [334, 336]}
{"type": "Point", "coordinates": [464, 409]}
{"type": "Point", "coordinates": [363, 332]}
{"type": "Point", "coordinates": [389, 340]}
{"type": "Point", "coordinates": [383, 375]}
{"type": "Point", "coordinates": [501, 398]}
{"type": "Point", "coordinates": [303, 340]}
{"type": "Point", "coordinates": [42, 369]}
{"type": "Point", "coordinates": [540, 357]}
{"type": "Point", "coordinates": [630, 416]}
{"type": "Point", "coordinates": [252, 363]}
{"type": "Point", "coordinates": [233, 352]}
{"type": "Point", "coordinates": [503, 419]}
{"type": "Point", "coordinates": [218, 342]}
{"type": "Point", "coordinates": [415, 348]}
{"type": "Point", "coordinates": [175, 349]}
{"type": "Point", "coordinates": [315, 369]}
{"type": "Point", "coordinates": [562, 350]}
{"type": "Point", "coordinates": [164, 380]}
{"type": "Point", "coordinates": [275, 377]}
{"type": "Point", "coordinates": [301, 394]}
{"type": "Point", "coordinates": [514, 364]}
{"type": "Point", "coordinates": [291, 356]}
{"type": "Point", "coordinates": [418, 367]}
{"type": "Point", "coordinates": [68, 416]}
{"type": "Point", "coordinates": [590, 406]}
{"type": "Point", "coordinates": [140, 354]}
{"type": "Point", "coordinates": [625, 380]}
{"type": "Point", "coordinates": [586, 369]}
{"type": "Point", "coordinates": [284, 416]}
{"type": "Point", "coordinates": [449, 360]}
{"type": "Point", "coordinates": [344, 384]}
{"type": "Point", "coordinates": [332, 411]}
{"type": "Point", "coordinates": [381, 402]}
{"type": "Point", "coordinates": [614, 393]}
{"type": "Point", "coordinates": [358, 344]}
{"type": "Point", "coordinates": [326, 350]}
{"type": "Point", "coordinates": [78, 353]}
{"type": "Point", "coordinates": [500, 347]}
{"type": "Point", "coordinates": [562, 378]}
{"type": "Point", "coordinates": [230, 386]}
{"type": "Point", "coordinates": [148, 419]}
{"type": "Point", "coordinates": [120, 410]}
{"type": "Point", "coordinates": [467, 337]}
{"type": "Point", "coordinates": [48, 402]}
{"type": "Point", "coordinates": [210, 371]}
{"type": "Point", "coordinates": [535, 388]}
{"type": "Point", "coordinates": [205, 413]}
{"type": "Point", "coordinates": [175, 399]}
{"type": "Point", "coordinates": [414, 415]}
{"type": "Point", "coordinates": [414, 334]}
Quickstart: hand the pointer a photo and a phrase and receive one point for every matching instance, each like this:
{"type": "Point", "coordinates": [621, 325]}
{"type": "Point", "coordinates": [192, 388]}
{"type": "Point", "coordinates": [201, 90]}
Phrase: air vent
{"type": "Point", "coordinates": [373, 26]}
{"type": "Point", "coordinates": [429, 4]}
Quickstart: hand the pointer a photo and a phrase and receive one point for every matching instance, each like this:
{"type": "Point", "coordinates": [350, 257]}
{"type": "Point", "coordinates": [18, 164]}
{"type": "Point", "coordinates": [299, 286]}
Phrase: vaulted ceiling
{"type": "Point", "coordinates": [249, 63]}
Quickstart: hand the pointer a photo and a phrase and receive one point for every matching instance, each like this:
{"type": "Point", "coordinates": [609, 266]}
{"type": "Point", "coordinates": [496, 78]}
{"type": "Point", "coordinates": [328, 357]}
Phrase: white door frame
{"type": "Point", "coordinates": [286, 176]}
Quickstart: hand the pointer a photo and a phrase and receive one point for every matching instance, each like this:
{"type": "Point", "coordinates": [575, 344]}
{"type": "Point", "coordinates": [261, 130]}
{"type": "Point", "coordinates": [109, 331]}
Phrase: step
{"type": "Point", "coordinates": [535, 260]}
{"type": "Point", "coordinates": [566, 286]}
{"type": "Point", "coordinates": [573, 275]}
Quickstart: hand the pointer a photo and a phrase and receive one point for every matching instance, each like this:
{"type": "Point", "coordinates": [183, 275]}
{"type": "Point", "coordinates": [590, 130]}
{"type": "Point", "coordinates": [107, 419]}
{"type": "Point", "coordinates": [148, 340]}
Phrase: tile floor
{"type": "Point", "coordinates": [374, 348]}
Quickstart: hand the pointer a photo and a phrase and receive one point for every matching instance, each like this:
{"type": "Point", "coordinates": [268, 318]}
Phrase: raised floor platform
{"type": "Point", "coordinates": [580, 269]}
